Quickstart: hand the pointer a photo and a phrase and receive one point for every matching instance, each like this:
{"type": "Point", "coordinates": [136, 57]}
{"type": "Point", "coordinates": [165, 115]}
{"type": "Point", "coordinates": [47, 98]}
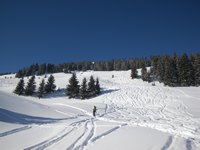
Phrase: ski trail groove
{"type": "Point", "coordinates": [93, 140]}
{"type": "Point", "coordinates": [85, 138]}
{"type": "Point", "coordinates": [168, 143]}
{"type": "Point", "coordinates": [14, 131]}
{"type": "Point", "coordinates": [57, 137]}
{"type": "Point", "coordinates": [188, 144]}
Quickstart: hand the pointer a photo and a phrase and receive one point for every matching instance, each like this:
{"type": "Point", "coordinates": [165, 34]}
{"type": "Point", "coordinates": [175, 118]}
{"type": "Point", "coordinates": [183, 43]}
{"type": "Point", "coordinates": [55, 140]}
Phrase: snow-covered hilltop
{"type": "Point", "coordinates": [131, 114]}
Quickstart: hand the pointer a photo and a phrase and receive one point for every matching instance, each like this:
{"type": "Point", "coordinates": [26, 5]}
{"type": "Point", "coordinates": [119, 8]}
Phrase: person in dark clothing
{"type": "Point", "coordinates": [94, 111]}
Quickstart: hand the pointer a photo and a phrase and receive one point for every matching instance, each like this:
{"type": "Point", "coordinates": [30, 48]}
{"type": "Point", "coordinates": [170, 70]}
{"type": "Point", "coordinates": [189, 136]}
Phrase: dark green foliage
{"type": "Point", "coordinates": [30, 88]}
{"type": "Point", "coordinates": [149, 77]}
{"type": "Point", "coordinates": [73, 88]}
{"type": "Point", "coordinates": [91, 87]}
{"type": "Point", "coordinates": [119, 64]}
{"type": "Point", "coordinates": [134, 72]}
{"type": "Point", "coordinates": [195, 60]}
{"type": "Point", "coordinates": [42, 69]}
{"type": "Point", "coordinates": [19, 74]}
{"type": "Point", "coordinates": [170, 76]}
{"type": "Point", "coordinates": [89, 90]}
{"type": "Point", "coordinates": [50, 86]}
{"type": "Point", "coordinates": [20, 87]}
{"type": "Point", "coordinates": [83, 89]}
{"type": "Point", "coordinates": [154, 64]}
{"type": "Point", "coordinates": [160, 71]}
{"type": "Point", "coordinates": [174, 71]}
{"type": "Point", "coordinates": [97, 87]}
{"type": "Point", "coordinates": [144, 73]}
{"type": "Point", "coordinates": [51, 68]}
{"type": "Point", "coordinates": [41, 89]}
{"type": "Point", "coordinates": [196, 66]}
{"type": "Point", "coordinates": [185, 71]}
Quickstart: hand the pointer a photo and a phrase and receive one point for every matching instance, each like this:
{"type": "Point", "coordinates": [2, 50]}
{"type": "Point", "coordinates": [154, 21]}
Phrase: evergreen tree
{"type": "Point", "coordinates": [41, 89]}
{"type": "Point", "coordinates": [149, 77]}
{"type": "Point", "coordinates": [91, 87]}
{"type": "Point", "coordinates": [42, 69]}
{"type": "Point", "coordinates": [50, 86]}
{"type": "Point", "coordinates": [73, 88]}
{"type": "Point", "coordinates": [133, 72]}
{"type": "Point", "coordinates": [175, 77]}
{"type": "Point", "coordinates": [168, 76]}
{"type": "Point", "coordinates": [185, 71]}
{"type": "Point", "coordinates": [19, 74]}
{"type": "Point", "coordinates": [154, 64]}
{"type": "Point", "coordinates": [97, 87]}
{"type": "Point", "coordinates": [30, 88]}
{"type": "Point", "coordinates": [20, 87]}
{"type": "Point", "coordinates": [160, 71]}
{"type": "Point", "coordinates": [197, 69]}
{"type": "Point", "coordinates": [144, 73]}
{"type": "Point", "coordinates": [83, 89]}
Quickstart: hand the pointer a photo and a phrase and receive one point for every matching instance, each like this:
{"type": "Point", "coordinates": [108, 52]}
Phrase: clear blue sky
{"type": "Point", "coordinates": [57, 31]}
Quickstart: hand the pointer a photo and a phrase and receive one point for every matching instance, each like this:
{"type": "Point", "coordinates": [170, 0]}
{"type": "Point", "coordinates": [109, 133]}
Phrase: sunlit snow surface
{"type": "Point", "coordinates": [131, 115]}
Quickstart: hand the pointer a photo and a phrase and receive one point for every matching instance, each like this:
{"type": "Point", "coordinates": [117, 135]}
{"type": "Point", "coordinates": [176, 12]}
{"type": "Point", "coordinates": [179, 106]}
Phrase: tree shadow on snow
{"type": "Point", "coordinates": [107, 91]}
{"type": "Point", "coordinates": [13, 117]}
{"type": "Point", "coordinates": [58, 93]}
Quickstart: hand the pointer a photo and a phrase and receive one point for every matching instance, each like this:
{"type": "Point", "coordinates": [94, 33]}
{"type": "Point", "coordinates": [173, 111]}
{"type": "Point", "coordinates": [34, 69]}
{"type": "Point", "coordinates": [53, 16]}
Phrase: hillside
{"type": "Point", "coordinates": [131, 114]}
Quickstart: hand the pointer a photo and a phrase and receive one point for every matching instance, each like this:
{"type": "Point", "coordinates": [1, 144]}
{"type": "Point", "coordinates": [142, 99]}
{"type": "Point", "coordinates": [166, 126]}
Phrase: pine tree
{"type": "Point", "coordinates": [73, 88]}
{"type": "Point", "coordinates": [42, 69]}
{"type": "Point", "coordinates": [91, 87]}
{"type": "Point", "coordinates": [83, 89]}
{"type": "Point", "coordinates": [97, 87]}
{"type": "Point", "coordinates": [19, 74]}
{"type": "Point", "coordinates": [168, 72]}
{"type": "Point", "coordinates": [160, 71]}
{"type": "Point", "coordinates": [197, 69]}
{"type": "Point", "coordinates": [20, 87]}
{"type": "Point", "coordinates": [30, 88]}
{"type": "Point", "coordinates": [41, 89]}
{"type": "Point", "coordinates": [50, 86]}
{"type": "Point", "coordinates": [175, 77]}
{"type": "Point", "coordinates": [144, 73]}
{"type": "Point", "coordinates": [185, 71]}
{"type": "Point", "coordinates": [133, 72]}
{"type": "Point", "coordinates": [149, 77]}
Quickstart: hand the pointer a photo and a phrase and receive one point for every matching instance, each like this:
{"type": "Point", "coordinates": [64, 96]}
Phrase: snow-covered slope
{"type": "Point", "coordinates": [132, 114]}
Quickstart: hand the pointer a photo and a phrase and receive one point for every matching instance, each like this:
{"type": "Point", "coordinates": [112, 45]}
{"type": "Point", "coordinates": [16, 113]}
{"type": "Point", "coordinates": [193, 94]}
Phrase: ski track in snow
{"type": "Point", "coordinates": [58, 137]}
{"type": "Point", "coordinates": [168, 143]}
{"type": "Point", "coordinates": [14, 131]}
{"type": "Point", "coordinates": [85, 137]}
{"type": "Point", "coordinates": [93, 140]}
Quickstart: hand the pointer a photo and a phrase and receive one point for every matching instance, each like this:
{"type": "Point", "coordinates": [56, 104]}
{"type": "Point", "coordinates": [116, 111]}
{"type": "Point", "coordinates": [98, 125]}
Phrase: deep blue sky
{"type": "Point", "coordinates": [54, 31]}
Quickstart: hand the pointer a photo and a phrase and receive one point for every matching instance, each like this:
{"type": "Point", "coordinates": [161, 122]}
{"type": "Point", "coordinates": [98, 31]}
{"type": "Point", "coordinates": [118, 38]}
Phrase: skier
{"type": "Point", "coordinates": [94, 111]}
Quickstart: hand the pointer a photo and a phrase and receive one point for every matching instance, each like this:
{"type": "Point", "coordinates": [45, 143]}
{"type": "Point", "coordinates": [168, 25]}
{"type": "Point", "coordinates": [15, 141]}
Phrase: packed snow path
{"type": "Point", "coordinates": [125, 105]}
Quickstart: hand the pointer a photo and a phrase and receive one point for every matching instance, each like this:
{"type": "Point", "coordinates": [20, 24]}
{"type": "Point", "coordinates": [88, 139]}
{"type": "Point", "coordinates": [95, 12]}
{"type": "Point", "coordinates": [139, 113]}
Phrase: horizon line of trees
{"type": "Point", "coordinates": [182, 70]}
{"type": "Point", "coordinates": [73, 89]}
{"type": "Point", "coordinates": [120, 64]}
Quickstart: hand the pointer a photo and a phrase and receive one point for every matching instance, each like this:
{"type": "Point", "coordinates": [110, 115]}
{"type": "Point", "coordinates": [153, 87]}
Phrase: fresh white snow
{"type": "Point", "coordinates": [131, 114]}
